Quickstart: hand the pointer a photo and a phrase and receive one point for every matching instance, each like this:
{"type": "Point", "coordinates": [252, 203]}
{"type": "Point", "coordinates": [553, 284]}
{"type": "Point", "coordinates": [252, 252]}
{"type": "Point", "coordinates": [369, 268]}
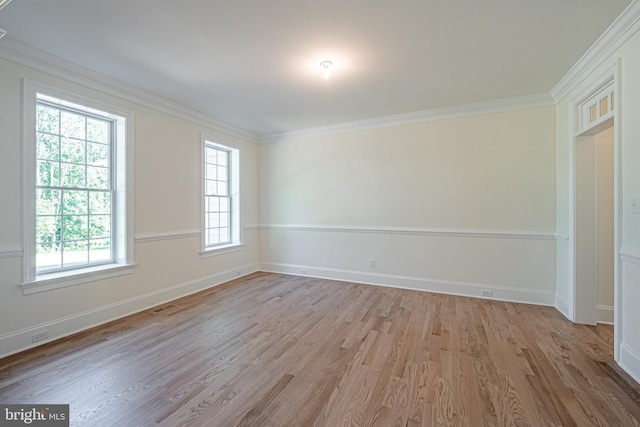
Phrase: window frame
{"type": "Point", "coordinates": [123, 185]}
{"type": "Point", "coordinates": [234, 185]}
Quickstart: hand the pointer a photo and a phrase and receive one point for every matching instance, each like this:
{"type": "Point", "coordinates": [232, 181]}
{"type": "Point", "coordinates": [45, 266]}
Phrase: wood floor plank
{"type": "Point", "coordinates": [274, 350]}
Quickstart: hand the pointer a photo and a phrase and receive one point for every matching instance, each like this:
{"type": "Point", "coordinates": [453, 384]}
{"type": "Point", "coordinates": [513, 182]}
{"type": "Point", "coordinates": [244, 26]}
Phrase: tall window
{"type": "Point", "coordinates": [74, 188]}
{"type": "Point", "coordinates": [78, 189]}
{"type": "Point", "coordinates": [221, 196]}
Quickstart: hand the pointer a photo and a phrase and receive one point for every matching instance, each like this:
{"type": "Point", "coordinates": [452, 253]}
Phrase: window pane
{"type": "Point", "coordinates": [47, 146]}
{"type": "Point", "coordinates": [47, 119]}
{"type": "Point", "coordinates": [73, 175]}
{"type": "Point", "coordinates": [214, 220]}
{"type": "Point", "coordinates": [48, 229]}
{"type": "Point", "coordinates": [97, 177]}
{"type": "Point", "coordinates": [212, 155]}
{"type": "Point", "coordinates": [98, 130]}
{"type": "Point", "coordinates": [99, 202]}
{"type": "Point", "coordinates": [222, 158]}
{"type": "Point", "coordinates": [48, 256]}
{"type": "Point", "coordinates": [213, 204]}
{"type": "Point", "coordinates": [222, 188]}
{"type": "Point", "coordinates": [48, 173]}
{"type": "Point", "coordinates": [72, 125]}
{"type": "Point", "coordinates": [75, 202]}
{"type": "Point", "coordinates": [75, 253]}
{"type": "Point", "coordinates": [75, 227]}
{"type": "Point", "coordinates": [224, 204]}
{"type": "Point", "coordinates": [99, 250]}
{"type": "Point", "coordinates": [48, 202]}
{"type": "Point", "coordinates": [99, 226]}
{"type": "Point", "coordinates": [72, 150]}
{"type": "Point", "coordinates": [222, 173]}
{"type": "Point", "coordinates": [210, 187]}
{"type": "Point", "coordinates": [224, 235]}
{"type": "Point", "coordinates": [211, 172]}
{"type": "Point", "coordinates": [97, 154]}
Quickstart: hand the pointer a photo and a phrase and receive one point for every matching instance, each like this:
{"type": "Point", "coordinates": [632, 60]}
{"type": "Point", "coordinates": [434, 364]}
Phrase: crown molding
{"type": "Point", "coordinates": [618, 33]}
{"type": "Point", "coordinates": [479, 108]}
{"type": "Point", "coordinates": [24, 55]}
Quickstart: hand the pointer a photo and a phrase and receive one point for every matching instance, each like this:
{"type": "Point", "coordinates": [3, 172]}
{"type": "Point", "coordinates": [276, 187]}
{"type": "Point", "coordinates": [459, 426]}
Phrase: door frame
{"type": "Point", "coordinates": [610, 78]}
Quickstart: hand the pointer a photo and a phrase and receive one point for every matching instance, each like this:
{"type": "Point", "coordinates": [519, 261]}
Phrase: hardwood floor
{"type": "Point", "coordinates": [273, 350]}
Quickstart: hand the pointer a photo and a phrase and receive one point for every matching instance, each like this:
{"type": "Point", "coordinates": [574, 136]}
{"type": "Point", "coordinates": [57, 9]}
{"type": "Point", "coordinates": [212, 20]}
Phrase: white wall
{"type": "Point", "coordinates": [628, 128]}
{"type": "Point", "coordinates": [456, 205]}
{"type": "Point", "coordinates": [167, 201]}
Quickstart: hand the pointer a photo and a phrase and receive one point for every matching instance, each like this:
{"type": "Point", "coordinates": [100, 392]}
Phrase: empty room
{"type": "Point", "coordinates": [298, 213]}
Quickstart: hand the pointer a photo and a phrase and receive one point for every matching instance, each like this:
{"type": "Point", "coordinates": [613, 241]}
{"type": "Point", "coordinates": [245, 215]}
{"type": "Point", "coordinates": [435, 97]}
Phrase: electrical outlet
{"type": "Point", "coordinates": [635, 205]}
{"type": "Point", "coordinates": [486, 293]}
{"type": "Point", "coordinates": [40, 336]}
{"type": "Point", "coordinates": [238, 273]}
{"type": "Point", "coordinates": [372, 262]}
{"type": "Point", "coordinates": [304, 272]}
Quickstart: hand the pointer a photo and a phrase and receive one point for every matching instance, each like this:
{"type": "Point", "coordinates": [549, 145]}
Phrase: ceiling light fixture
{"type": "Point", "coordinates": [2, 33]}
{"type": "Point", "coordinates": [326, 68]}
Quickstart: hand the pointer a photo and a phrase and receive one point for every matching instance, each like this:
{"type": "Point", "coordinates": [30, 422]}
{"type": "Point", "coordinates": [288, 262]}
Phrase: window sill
{"type": "Point", "coordinates": [221, 250]}
{"type": "Point", "coordinates": [47, 282]}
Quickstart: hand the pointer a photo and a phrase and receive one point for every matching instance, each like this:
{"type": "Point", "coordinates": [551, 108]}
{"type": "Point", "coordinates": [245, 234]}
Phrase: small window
{"type": "Point", "coordinates": [221, 222]}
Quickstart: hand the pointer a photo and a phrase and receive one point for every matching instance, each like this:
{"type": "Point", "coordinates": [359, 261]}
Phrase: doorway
{"type": "Point", "coordinates": [594, 225]}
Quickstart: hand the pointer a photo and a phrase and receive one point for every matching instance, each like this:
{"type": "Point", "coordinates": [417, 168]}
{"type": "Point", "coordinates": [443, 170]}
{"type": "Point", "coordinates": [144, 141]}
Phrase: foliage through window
{"type": "Point", "coordinates": [74, 188]}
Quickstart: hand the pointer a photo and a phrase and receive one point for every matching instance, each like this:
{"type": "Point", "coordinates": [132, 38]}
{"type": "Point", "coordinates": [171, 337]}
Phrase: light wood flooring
{"type": "Point", "coordinates": [274, 350]}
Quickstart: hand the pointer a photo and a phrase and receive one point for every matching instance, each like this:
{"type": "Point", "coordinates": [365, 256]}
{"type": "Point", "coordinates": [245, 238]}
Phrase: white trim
{"type": "Point", "coordinates": [630, 361]}
{"type": "Point", "coordinates": [415, 231]}
{"type": "Point", "coordinates": [18, 341]}
{"type": "Point", "coordinates": [561, 237]}
{"type": "Point", "coordinates": [629, 254]}
{"type": "Point", "coordinates": [35, 59]}
{"type": "Point", "coordinates": [618, 33]}
{"type": "Point", "coordinates": [75, 277]}
{"type": "Point", "coordinates": [251, 227]}
{"type": "Point", "coordinates": [562, 305]}
{"type": "Point", "coordinates": [500, 293]}
{"type": "Point", "coordinates": [221, 250]}
{"type": "Point", "coordinates": [166, 235]}
{"type": "Point", "coordinates": [424, 116]}
{"type": "Point", "coordinates": [606, 314]}
{"type": "Point", "coordinates": [10, 253]}
{"type": "Point", "coordinates": [171, 235]}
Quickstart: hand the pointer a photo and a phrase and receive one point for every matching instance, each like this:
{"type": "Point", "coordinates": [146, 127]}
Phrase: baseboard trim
{"type": "Point", "coordinates": [606, 314]}
{"type": "Point", "coordinates": [18, 341]}
{"type": "Point", "coordinates": [562, 305]}
{"type": "Point", "coordinates": [500, 293]}
{"type": "Point", "coordinates": [630, 361]}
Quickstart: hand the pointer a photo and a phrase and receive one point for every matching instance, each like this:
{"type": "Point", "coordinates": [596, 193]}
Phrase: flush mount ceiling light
{"type": "Point", "coordinates": [326, 68]}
